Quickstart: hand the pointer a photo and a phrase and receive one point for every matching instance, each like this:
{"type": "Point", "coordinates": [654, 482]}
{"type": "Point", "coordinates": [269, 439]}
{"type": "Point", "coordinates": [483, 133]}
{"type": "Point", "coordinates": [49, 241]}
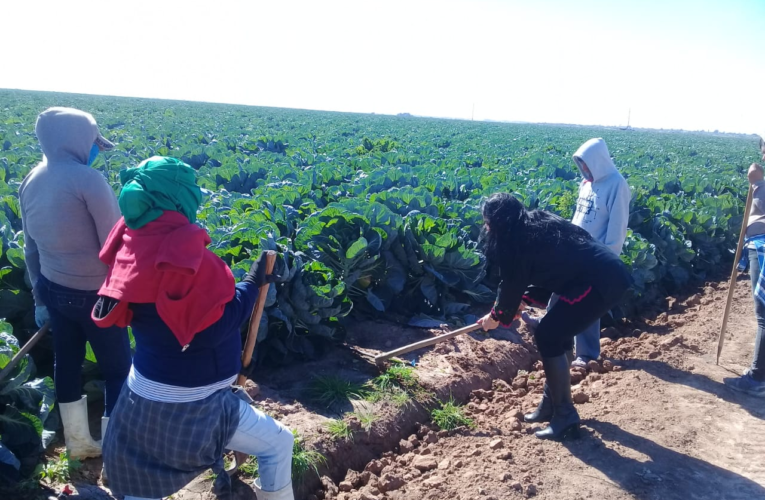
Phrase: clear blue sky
{"type": "Point", "coordinates": [676, 63]}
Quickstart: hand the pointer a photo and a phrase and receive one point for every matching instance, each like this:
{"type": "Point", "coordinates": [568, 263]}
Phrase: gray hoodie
{"type": "Point", "coordinates": [67, 208]}
{"type": "Point", "coordinates": [603, 207]}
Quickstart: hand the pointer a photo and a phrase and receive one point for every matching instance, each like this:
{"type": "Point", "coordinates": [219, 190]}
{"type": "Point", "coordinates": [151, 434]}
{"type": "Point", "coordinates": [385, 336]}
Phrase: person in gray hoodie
{"type": "Point", "coordinates": [602, 209]}
{"type": "Point", "coordinates": [67, 212]}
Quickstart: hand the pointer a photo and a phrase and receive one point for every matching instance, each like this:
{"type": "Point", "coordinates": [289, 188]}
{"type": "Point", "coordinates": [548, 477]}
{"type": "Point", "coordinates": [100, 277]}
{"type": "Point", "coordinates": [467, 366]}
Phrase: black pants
{"type": "Point", "coordinates": [72, 327]}
{"type": "Point", "coordinates": [575, 310]}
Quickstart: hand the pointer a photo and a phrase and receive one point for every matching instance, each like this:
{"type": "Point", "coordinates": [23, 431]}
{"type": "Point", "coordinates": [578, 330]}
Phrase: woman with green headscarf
{"type": "Point", "coordinates": [179, 414]}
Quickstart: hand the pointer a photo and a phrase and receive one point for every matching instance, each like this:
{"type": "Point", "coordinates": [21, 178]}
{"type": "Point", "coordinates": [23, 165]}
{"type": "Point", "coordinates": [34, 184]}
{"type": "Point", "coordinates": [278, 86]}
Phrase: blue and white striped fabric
{"type": "Point", "coordinates": [165, 393]}
{"type": "Point", "coordinates": [153, 449]}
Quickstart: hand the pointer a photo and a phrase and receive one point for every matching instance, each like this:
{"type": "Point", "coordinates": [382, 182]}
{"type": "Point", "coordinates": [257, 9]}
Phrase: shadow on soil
{"type": "Point", "coordinates": [668, 373]}
{"type": "Point", "coordinates": [667, 475]}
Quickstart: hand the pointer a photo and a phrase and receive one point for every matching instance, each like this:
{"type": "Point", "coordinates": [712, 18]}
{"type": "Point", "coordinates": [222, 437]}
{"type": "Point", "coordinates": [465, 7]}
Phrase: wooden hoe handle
{"type": "Point", "coordinates": [249, 346]}
{"type": "Point", "coordinates": [257, 313]}
{"type": "Point", "coordinates": [425, 343]}
{"type": "Point", "coordinates": [732, 284]}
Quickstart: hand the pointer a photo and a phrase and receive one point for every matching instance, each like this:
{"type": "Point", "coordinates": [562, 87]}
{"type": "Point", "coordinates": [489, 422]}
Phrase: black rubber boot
{"type": "Point", "coordinates": [544, 411]}
{"type": "Point", "coordinates": [565, 420]}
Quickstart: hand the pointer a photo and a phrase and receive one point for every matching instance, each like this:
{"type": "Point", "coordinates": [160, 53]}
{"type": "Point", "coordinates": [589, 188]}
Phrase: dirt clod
{"type": "Point", "coordinates": [496, 444]}
{"type": "Point", "coordinates": [329, 486]}
{"type": "Point", "coordinates": [483, 394]}
{"type": "Point", "coordinates": [389, 482]}
{"type": "Point", "coordinates": [424, 463]}
{"type": "Point", "coordinates": [593, 366]}
{"type": "Point", "coordinates": [693, 300]}
{"type": "Point", "coordinates": [345, 486]}
{"type": "Point", "coordinates": [520, 382]}
{"type": "Point", "coordinates": [375, 467]}
{"type": "Point", "coordinates": [354, 478]}
{"type": "Point", "coordinates": [434, 481]}
{"type": "Point", "coordinates": [405, 446]}
{"type": "Point", "coordinates": [581, 398]}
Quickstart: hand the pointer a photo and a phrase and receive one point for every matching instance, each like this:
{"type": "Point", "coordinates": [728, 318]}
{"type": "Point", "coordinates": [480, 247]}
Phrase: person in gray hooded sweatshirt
{"type": "Point", "coordinates": [602, 209]}
{"type": "Point", "coordinates": [67, 212]}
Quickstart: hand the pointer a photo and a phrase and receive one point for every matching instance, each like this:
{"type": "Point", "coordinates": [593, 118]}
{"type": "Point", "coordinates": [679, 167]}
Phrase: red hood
{"type": "Point", "coordinates": [167, 263]}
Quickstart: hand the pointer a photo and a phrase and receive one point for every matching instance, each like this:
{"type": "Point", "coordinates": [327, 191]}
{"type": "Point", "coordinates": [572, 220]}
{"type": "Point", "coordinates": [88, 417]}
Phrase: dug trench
{"type": "Point", "coordinates": [657, 422]}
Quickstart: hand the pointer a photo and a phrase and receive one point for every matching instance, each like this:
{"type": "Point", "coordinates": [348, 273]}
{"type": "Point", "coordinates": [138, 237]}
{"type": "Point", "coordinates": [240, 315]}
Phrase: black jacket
{"type": "Point", "coordinates": [533, 273]}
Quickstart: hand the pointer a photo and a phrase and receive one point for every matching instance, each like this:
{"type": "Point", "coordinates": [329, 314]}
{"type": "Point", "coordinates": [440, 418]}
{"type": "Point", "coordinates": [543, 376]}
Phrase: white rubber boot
{"type": "Point", "coordinates": [104, 423]}
{"type": "Point", "coordinates": [79, 443]}
{"type": "Point", "coordinates": [283, 494]}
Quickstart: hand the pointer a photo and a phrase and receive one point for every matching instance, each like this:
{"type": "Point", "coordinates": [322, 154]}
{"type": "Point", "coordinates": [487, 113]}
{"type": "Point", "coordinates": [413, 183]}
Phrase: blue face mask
{"type": "Point", "coordinates": [93, 154]}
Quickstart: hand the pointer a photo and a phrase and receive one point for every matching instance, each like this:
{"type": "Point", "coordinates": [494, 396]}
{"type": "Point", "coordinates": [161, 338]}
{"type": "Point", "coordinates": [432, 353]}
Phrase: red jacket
{"type": "Point", "coordinates": [167, 263]}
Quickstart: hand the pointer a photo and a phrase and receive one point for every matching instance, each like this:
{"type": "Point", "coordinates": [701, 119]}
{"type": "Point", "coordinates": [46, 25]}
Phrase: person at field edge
{"type": "Point", "coordinates": [67, 211]}
{"type": "Point", "coordinates": [539, 253]}
{"type": "Point", "coordinates": [602, 208]}
{"type": "Point", "coordinates": [753, 380]}
{"type": "Point", "coordinates": [178, 413]}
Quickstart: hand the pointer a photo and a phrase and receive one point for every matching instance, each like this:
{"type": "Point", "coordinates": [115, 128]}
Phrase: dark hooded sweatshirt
{"type": "Point", "coordinates": [568, 269]}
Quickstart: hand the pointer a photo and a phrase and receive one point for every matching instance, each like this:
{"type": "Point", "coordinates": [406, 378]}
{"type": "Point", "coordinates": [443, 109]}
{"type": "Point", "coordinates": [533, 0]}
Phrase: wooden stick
{"type": "Point", "coordinates": [257, 313]}
{"type": "Point", "coordinates": [425, 343]}
{"type": "Point", "coordinates": [249, 346]}
{"type": "Point", "coordinates": [24, 350]}
{"type": "Point", "coordinates": [733, 273]}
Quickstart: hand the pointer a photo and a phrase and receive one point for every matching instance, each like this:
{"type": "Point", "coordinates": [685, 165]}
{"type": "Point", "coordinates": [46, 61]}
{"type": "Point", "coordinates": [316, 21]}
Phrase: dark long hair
{"type": "Point", "coordinates": [514, 232]}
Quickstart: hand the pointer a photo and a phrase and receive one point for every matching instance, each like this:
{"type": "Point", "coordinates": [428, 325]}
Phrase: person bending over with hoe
{"type": "Point", "coordinates": [178, 414]}
{"type": "Point", "coordinates": [753, 380]}
{"type": "Point", "coordinates": [603, 209]}
{"type": "Point", "coordinates": [539, 253]}
{"type": "Point", "coordinates": [67, 211]}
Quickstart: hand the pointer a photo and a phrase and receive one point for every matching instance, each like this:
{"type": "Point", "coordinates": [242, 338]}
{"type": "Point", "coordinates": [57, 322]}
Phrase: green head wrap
{"type": "Point", "coordinates": [155, 185]}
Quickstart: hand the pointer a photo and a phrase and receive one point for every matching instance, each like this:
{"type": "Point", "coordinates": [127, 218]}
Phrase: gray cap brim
{"type": "Point", "coordinates": [103, 143]}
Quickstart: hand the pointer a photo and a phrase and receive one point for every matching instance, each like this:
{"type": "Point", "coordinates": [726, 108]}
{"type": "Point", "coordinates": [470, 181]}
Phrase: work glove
{"type": "Point", "coordinates": [41, 315]}
{"type": "Point", "coordinates": [257, 273]}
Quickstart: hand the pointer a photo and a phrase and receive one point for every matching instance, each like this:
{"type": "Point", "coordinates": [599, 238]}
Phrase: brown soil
{"type": "Point", "coordinates": [657, 424]}
{"type": "Point", "coordinates": [657, 420]}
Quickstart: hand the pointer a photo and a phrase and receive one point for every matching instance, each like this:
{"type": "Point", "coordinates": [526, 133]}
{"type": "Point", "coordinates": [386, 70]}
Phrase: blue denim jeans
{"type": "Point", "coordinates": [270, 441]}
{"type": "Point", "coordinates": [587, 343]}
{"type": "Point", "coordinates": [757, 370]}
{"type": "Point", "coordinates": [72, 327]}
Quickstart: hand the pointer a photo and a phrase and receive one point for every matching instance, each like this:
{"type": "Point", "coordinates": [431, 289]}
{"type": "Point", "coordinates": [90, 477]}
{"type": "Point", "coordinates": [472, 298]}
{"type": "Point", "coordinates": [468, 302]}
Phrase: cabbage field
{"type": "Point", "coordinates": [379, 214]}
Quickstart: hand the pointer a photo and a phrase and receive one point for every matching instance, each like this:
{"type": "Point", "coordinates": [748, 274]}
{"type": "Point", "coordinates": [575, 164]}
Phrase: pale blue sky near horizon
{"type": "Point", "coordinates": [696, 65]}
